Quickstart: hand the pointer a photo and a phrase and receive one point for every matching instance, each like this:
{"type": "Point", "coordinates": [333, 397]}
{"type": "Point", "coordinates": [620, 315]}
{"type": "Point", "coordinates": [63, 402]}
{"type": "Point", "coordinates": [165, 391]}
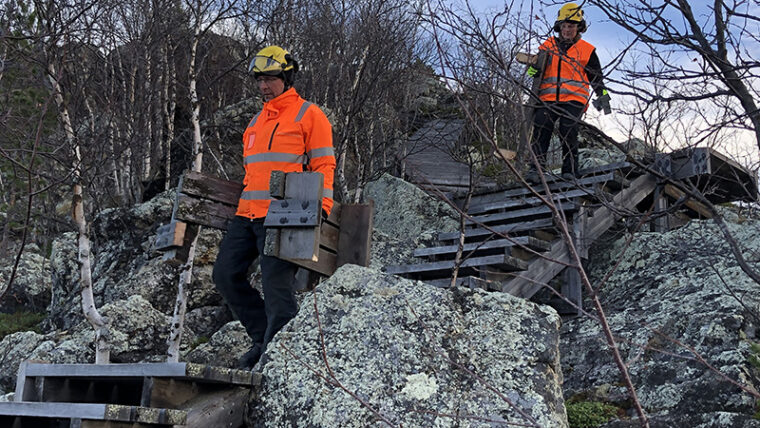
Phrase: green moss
{"type": "Point", "coordinates": [20, 321]}
{"type": "Point", "coordinates": [199, 341]}
{"type": "Point", "coordinates": [589, 414]}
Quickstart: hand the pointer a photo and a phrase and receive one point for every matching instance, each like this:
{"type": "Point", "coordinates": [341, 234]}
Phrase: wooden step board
{"type": "Point", "coordinates": [529, 200]}
{"type": "Point", "coordinates": [209, 396]}
{"type": "Point", "coordinates": [521, 214]}
{"type": "Point", "coordinates": [542, 270]}
{"type": "Point", "coordinates": [512, 229]}
{"type": "Point", "coordinates": [448, 251]}
{"type": "Point", "coordinates": [80, 415]}
{"type": "Point", "coordinates": [613, 179]}
{"type": "Point", "coordinates": [434, 270]}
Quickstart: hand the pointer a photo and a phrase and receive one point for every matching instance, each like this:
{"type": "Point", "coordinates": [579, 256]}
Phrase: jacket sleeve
{"type": "Point", "coordinates": [320, 152]}
{"type": "Point", "coordinates": [594, 73]}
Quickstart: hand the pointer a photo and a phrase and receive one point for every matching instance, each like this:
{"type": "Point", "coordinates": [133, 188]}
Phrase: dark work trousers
{"type": "Point", "coordinates": [544, 118]}
{"type": "Point", "coordinates": [262, 318]}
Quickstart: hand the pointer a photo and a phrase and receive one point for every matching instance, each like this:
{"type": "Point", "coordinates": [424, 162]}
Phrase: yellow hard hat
{"type": "Point", "coordinates": [570, 12]}
{"type": "Point", "coordinates": [274, 61]}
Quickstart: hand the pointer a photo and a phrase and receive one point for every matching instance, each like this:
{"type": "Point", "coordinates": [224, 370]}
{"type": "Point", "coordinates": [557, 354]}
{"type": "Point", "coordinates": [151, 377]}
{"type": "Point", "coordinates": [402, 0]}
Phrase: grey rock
{"type": "Point", "coordinates": [402, 210]}
{"type": "Point", "coordinates": [31, 285]}
{"type": "Point", "coordinates": [7, 397]}
{"type": "Point", "coordinates": [224, 347]}
{"type": "Point", "coordinates": [417, 354]}
{"type": "Point", "coordinates": [207, 320]}
{"type": "Point", "coordinates": [15, 348]}
{"type": "Point", "coordinates": [672, 294]}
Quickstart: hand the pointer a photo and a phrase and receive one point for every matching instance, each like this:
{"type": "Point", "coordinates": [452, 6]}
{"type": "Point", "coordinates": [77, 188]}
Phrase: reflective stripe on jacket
{"type": "Point", "coordinates": [565, 77]}
{"type": "Point", "coordinates": [288, 134]}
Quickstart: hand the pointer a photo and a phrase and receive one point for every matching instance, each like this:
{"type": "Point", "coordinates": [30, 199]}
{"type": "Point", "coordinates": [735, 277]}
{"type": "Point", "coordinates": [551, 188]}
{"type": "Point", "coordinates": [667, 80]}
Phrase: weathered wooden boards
{"type": "Point", "coordinates": [134, 395]}
{"type": "Point", "coordinates": [297, 230]}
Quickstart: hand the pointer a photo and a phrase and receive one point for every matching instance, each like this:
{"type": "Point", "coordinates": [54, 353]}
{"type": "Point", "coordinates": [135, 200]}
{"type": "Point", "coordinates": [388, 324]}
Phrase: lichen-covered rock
{"type": "Point", "coordinates": [387, 250]}
{"type": "Point", "coordinates": [31, 284]}
{"type": "Point", "coordinates": [138, 333]}
{"type": "Point", "coordinates": [420, 356]}
{"type": "Point", "coordinates": [673, 299]}
{"type": "Point", "coordinates": [207, 320]}
{"type": "Point", "coordinates": [223, 349]}
{"type": "Point", "coordinates": [402, 210]}
{"type": "Point", "coordinates": [125, 264]}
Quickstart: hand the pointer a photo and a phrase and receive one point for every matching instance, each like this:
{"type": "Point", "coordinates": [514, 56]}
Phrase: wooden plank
{"type": "Point", "coordinates": [527, 241]}
{"type": "Point", "coordinates": [188, 371]}
{"type": "Point", "coordinates": [94, 411]}
{"type": "Point", "coordinates": [694, 205]}
{"type": "Point", "coordinates": [204, 212]}
{"type": "Point", "coordinates": [542, 270]}
{"type": "Point", "coordinates": [543, 223]}
{"type": "Point", "coordinates": [326, 265]}
{"type": "Point", "coordinates": [503, 261]}
{"type": "Point", "coordinates": [572, 290]}
{"type": "Point", "coordinates": [555, 184]}
{"type": "Point", "coordinates": [301, 243]}
{"type": "Point", "coordinates": [212, 188]}
{"type": "Point", "coordinates": [466, 282]}
{"type": "Point", "coordinates": [355, 240]}
{"type": "Point", "coordinates": [528, 200]}
{"type": "Point", "coordinates": [168, 392]}
{"type": "Point", "coordinates": [170, 235]}
{"type": "Point", "coordinates": [500, 217]}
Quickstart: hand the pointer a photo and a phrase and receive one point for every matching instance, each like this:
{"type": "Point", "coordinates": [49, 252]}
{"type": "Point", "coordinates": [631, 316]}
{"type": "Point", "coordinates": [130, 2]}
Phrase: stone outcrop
{"type": "Point", "coordinates": [415, 354]}
{"type": "Point", "coordinates": [403, 211]}
{"type": "Point", "coordinates": [31, 285]}
{"type": "Point", "coordinates": [674, 299]}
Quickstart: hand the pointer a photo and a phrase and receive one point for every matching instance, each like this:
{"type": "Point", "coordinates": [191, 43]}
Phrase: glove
{"type": "Point", "coordinates": [603, 102]}
{"type": "Point", "coordinates": [532, 71]}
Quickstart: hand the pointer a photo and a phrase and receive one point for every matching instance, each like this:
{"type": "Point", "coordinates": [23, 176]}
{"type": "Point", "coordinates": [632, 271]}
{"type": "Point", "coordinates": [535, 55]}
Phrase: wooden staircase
{"type": "Point", "coordinates": [511, 240]}
{"type": "Point", "coordinates": [127, 395]}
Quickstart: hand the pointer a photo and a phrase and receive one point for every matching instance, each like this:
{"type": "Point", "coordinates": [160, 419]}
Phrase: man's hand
{"type": "Point", "coordinates": [532, 71]}
{"type": "Point", "coordinates": [603, 102]}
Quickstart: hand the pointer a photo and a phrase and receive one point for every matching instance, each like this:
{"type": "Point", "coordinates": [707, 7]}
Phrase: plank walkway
{"type": "Point", "coordinates": [512, 241]}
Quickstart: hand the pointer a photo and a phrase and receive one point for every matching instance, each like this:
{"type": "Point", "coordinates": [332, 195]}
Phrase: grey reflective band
{"type": "Point", "coordinates": [301, 112]}
{"type": "Point", "coordinates": [274, 157]}
{"type": "Point", "coordinates": [327, 193]}
{"type": "Point", "coordinates": [253, 195]}
{"type": "Point", "coordinates": [254, 119]}
{"type": "Point", "coordinates": [318, 153]}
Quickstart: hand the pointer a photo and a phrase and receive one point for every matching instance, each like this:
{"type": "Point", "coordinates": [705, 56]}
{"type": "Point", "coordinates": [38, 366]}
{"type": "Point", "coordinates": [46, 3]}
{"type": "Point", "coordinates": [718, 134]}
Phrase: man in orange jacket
{"type": "Point", "coordinates": [572, 66]}
{"type": "Point", "coordinates": [289, 134]}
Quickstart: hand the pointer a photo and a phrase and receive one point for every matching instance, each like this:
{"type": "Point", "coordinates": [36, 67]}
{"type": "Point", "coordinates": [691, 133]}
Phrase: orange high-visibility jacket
{"type": "Point", "coordinates": [289, 134]}
{"type": "Point", "coordinates": [565, 77]}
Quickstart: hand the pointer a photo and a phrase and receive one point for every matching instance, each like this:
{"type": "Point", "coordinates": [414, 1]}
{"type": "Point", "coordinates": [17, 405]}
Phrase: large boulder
{"type": "Point", "coordinates": [404, 211]}
{"type": "Point", "coordinates": [124, 263]}
{"type": "Point", "coordinates": [367, 345]}
{"type": "Point", "coordinates": [31, 285]}
{"type": "Point", "coordinates": [684, 314]}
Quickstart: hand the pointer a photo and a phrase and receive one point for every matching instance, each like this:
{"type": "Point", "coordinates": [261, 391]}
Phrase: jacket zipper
{"type": "Point", "coordinates": [271, 137]}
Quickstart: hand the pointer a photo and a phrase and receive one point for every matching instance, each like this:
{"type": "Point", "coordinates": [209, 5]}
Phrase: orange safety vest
{"type": "Point", "coordinates": [564, 77]}
{"type": "Point", "coordinates": [289, 134]}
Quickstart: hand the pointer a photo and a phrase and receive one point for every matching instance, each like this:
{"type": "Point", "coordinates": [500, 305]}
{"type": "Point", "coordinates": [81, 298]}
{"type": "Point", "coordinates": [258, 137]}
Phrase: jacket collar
{"type": "Point", "coordinates": [281, 101]}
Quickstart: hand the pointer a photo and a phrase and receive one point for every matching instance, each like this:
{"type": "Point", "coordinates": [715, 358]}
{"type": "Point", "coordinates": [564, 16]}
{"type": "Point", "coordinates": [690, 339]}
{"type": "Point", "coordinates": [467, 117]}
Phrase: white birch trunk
{"type": "Point", "coordinates": [186, 273]}
{"type": "Point", "coordinates": [147, 157]}
{"type": "Point", "coordinates": [169, 106]}
{"type": "Point", "coordinates": [99, 323]}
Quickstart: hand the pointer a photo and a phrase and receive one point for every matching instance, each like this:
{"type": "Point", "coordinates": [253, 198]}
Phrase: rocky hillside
{"type": "Point", "coordinates": [684, 313]}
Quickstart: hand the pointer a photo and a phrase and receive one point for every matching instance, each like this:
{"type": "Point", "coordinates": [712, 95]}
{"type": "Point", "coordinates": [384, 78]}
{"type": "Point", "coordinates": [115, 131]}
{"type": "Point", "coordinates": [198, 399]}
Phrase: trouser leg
{"type": "Point", "coordinates": [569, 119]}
{"type": "Point", "coordinates": [236, 253]}
{"type": "Point", "coordinates": [543, 126]}
{"type": "Point", "coordinates": [277, 280]}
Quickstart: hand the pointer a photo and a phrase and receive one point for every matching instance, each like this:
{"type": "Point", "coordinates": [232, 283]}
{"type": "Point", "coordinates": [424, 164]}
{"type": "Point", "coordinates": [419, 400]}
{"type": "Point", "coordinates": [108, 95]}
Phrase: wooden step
{"type": "Point", "coordinates": [615, 179]}
{"type": "Point", "coordinates": [33, 414]}
{"type": "Point", "coordinates": [482, 232]}
{"type": "Point", "coordinates": [462, 281]}
{"type": "Point", "coordinates": [534, 244]}
{"type": "Point", "coordinates": [522, 201]}
{"type": "Point", "coordinates": [527, 213]}
{"type": "Point", "coordinates": [442, 269]}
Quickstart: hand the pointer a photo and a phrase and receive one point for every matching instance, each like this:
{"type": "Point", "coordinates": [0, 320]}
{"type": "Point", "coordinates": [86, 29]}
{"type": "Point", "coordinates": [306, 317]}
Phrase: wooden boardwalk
{"type": "Point", "coordinates": [513, 240]}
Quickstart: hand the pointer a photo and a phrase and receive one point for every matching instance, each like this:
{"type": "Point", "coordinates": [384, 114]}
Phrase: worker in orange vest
{"type": "Point", "coordinates": [289, 134]}
{"type": "Point", "coordinates": [572, 67]}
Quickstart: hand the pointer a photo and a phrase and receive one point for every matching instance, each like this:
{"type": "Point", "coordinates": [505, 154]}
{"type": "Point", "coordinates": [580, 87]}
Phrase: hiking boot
{"type": "Point", "coordinates": [250, 358]}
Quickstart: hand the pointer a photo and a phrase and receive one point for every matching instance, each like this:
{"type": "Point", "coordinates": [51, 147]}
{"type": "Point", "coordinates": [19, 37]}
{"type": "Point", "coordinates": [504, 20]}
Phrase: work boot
{"type": "Point", "coordinates": [250, 358]}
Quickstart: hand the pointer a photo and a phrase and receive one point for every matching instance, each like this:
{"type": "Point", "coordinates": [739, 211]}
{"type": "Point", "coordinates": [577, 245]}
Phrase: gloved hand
{"type": "Point", "coordinates": [532, 71]}
{"type": "Point", "coordinates": [603, 102]}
